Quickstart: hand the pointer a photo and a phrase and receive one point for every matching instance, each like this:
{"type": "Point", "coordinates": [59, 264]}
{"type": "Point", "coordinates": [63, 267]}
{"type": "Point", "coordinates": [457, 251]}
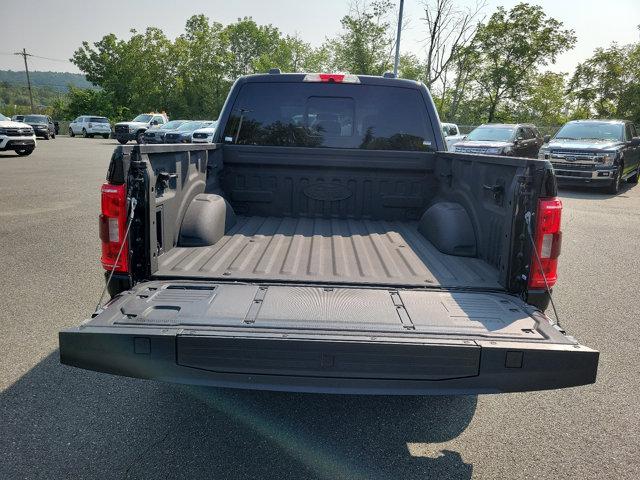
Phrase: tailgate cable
{"type": "Point", "coordinates": [132, 205]}
{"type": "Point", "coordinates": [527, 217]}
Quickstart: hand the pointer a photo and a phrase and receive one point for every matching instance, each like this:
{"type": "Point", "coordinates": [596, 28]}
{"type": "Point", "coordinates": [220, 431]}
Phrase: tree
{"type": "Point", "coordinates": [510, 47]}
{"type": "Point", "coordinates": [608, 83]}
{"type": "Point", "coordinates": [410, 67]}
{"type": "Point", "coordinates": [250, 46]}
{"type": "Point", "coordinates": [83, 101]}
{"type": "Point", "coordinates": [366, 45]}
{"type": "Point", "coordinates": [138, 73]}
{"type": "Point", "coordinates": [546, 102]}
{"type": "Point", "coordinates": [449, 30]}
{"type": "Point", "coordinates": [199, 63]}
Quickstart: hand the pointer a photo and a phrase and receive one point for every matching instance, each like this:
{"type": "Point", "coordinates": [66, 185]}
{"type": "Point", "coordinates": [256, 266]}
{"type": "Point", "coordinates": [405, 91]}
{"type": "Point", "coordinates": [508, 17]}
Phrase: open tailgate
{"type": "Point", "coordinates": [328, 339]}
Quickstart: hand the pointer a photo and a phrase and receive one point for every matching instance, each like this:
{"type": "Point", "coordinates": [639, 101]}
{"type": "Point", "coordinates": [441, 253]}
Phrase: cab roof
{"type": "Point", "coordinates": [299, 77]}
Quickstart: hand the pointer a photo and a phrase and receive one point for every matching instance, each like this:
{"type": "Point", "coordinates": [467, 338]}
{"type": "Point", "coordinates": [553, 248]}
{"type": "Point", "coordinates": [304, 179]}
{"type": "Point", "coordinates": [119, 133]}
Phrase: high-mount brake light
{"type": "Point", "coordinates": [331, 78]}
{"type": "Point", "coordinates": [113, 226]}
{"type": "Point", "coordinates": [548, 240]}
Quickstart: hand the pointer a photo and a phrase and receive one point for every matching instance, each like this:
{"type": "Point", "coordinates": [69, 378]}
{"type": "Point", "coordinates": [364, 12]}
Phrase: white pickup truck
{"type": "Point", "coordinates": [134, 130]}
{"type": "Point", "coordinates": [451, 134]}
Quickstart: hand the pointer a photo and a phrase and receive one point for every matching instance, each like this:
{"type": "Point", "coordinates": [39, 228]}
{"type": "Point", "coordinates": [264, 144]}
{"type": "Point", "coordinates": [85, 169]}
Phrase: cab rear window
{"type": "Point", "coordinates": [329, 115]}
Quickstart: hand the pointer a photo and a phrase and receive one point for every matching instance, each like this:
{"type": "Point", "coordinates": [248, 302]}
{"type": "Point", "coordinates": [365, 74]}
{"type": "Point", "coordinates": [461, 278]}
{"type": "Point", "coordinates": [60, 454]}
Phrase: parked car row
{"type": "Point", "coordinates": [181, 131]}
{"type": "Point", "coordinates": [145, 128]}
{"type": "Point", "coordinates": [593, 152]}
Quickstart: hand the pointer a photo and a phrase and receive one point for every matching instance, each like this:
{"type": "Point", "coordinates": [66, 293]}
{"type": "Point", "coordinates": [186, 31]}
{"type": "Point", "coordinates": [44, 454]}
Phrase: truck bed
{"type": "Point", "coordinates": [327, 251]}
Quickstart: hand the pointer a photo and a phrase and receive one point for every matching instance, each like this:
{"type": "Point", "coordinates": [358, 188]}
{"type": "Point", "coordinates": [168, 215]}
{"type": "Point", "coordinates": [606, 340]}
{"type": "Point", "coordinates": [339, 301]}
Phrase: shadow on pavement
{"type": "Point", "coordinates": [61, 422]}
{"type": "Point", "coordinates": [591, 192]}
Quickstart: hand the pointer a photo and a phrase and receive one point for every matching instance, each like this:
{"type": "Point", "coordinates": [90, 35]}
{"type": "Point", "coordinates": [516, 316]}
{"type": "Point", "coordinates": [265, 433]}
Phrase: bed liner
{"type": "Point", "coordinates": [326, 251]}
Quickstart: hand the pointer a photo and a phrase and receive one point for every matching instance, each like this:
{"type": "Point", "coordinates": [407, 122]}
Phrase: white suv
{"type": "Point", "coordinates": [16, 136]}
{"type": "Point", "coordinates": [88, 126]}
{"type": "Point", "coordinates": [204, 135]}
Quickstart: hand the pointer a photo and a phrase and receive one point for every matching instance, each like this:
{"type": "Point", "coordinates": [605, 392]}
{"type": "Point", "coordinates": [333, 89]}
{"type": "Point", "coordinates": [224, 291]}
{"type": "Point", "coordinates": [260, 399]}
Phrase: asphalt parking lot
{"type": "Point", "coordinates": [59, 422]}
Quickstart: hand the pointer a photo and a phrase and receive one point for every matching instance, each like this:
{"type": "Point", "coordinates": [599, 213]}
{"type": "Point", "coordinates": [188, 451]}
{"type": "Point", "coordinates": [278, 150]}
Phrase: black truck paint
{"type": "Point", "coordinates": [600, 153]}
{"type": "Point", "coordinates": [366, 260]}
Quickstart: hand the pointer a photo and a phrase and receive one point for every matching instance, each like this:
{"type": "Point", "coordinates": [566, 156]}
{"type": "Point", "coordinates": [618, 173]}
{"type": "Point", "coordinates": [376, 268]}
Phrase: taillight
{"type": "Point", "coordinates": [548, 239]}
{"type": "Point", "coordinates": [331, 78]}
{"type": "Point", "coordinates": [113, 227]}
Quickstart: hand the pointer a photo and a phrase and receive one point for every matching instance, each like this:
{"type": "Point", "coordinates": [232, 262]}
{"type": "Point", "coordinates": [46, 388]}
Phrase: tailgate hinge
{"type": "Point", "coordinates": [254, 309]}
{"type": "Point", "coordinates": [401, 310]}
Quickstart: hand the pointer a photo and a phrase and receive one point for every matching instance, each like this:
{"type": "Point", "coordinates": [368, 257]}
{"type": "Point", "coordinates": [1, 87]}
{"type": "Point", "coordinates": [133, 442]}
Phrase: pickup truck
{"type": "Point", "coordinates": [134, 130]}
{"type": "Point", "coordinates": [327, 242]}
{"type": "Point", "coordinates": [451, 134]}
{"type": "Point", "coordinates": [599, 153]}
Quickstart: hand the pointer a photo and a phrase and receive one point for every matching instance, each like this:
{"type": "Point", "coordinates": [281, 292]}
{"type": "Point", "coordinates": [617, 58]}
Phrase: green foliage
{"type": "Point", "coordinates": [410, 67]}
{"type": "Point", "coordinates": [58, 81]}
{"type": "Point", "coordinates": [14, 99]}
{"type": "Point", "coordinates": [89, 102]}
{"type": "Point", "coordinates": [366, 45]}
{"type": "Point", "coordinates": [545, 102]}
{"type": "Point", "coordinates": [191, 76]}
{"type": "Point", "coordinates": [510, 47]}
{"type": "Point", "coordinates": [607, 85]}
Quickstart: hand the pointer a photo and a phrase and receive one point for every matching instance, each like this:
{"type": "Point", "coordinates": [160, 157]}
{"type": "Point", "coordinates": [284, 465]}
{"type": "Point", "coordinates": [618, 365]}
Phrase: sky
{"type": "Point", "coordinates": [56, 29]}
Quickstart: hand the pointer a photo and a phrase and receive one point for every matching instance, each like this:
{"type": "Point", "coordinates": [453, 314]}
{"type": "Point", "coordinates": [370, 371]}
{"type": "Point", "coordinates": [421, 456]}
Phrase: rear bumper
{"type": "Point", "coordinates": [344, 364]}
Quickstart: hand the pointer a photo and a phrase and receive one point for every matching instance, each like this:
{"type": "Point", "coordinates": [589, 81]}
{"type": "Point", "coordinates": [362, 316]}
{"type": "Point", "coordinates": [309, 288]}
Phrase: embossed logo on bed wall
{"type": "Point", "coordinates": [327, 192]}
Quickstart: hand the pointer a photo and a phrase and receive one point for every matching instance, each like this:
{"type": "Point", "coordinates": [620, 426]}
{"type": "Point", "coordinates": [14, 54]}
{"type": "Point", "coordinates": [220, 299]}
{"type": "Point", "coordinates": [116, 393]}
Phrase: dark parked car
{"type": "Point", "coordinates": [183, 133]}
{"type": "Point", "coordinates": [42, 125]}
{"type": "Point", "coordinates": [514, 140]}
{"type": "Point", "coordinates": [595, 152]}
{"type": "Point", "coordinates": [156, 134]}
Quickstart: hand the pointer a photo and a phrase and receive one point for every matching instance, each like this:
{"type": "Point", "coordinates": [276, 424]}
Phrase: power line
{"type": "Point", "coordinates": [38, 56]}
{"type": "Point", "coordinates": [52, 59]}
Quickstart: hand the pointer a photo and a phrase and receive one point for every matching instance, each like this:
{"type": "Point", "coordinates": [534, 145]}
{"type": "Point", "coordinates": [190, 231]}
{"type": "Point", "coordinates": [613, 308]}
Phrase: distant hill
{"type": "Point", "coordinates": [58, 81]}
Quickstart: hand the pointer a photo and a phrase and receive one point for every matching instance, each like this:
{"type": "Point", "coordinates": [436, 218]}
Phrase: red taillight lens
{"type": "Point", "coordinates": [113, 225]}
{"type": "Point", "coordinates": [331, 78]}
{"type": "Point", "coordinates": [548, 240]}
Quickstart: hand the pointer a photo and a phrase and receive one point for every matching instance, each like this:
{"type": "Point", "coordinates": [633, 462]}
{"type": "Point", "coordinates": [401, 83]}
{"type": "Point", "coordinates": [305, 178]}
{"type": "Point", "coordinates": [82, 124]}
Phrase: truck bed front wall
{"type": "Point", "coordinates": [322, 340]}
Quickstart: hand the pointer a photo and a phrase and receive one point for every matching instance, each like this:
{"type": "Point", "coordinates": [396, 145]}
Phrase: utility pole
{"type": "Point", "coordinates": [395, 64]}
{"type": "Point", "coordinates": [24, 55]}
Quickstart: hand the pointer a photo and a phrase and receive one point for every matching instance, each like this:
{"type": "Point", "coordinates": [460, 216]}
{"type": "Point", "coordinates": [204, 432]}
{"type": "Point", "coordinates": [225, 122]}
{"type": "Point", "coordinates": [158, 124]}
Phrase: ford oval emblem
{"type": "Point", "coordinates": [327, 192]}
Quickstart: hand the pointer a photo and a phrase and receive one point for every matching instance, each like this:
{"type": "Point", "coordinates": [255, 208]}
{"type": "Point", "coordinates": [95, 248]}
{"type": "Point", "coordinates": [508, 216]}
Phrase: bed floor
{"type": "Point", "coordinates": [318, 250]}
